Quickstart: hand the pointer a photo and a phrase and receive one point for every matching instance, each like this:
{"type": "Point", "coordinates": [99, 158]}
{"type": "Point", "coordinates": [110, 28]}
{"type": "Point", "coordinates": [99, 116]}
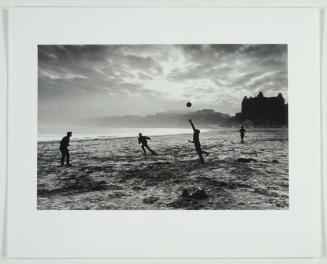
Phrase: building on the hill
{"type": "Point", "coordinates": [264, 111]}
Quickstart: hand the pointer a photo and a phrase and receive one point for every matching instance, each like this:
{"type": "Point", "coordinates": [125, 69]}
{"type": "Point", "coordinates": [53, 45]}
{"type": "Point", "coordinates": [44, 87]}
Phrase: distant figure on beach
{"type": "Point", "coordinates": [64, 143]}
{"type": "Point", "coordinates": [196, 141]}
{"type": "Point", "coordinates": [144, 141]}
{"type": "Point", "coordinates": [242, 133]}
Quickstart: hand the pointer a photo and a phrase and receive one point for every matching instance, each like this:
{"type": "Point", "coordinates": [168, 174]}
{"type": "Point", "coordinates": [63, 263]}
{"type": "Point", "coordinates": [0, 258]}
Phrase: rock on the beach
{"type": "Point", "coordinates": [138, 188]}
{"type": "Point", "coordinates": [185, 193]}
{"type": "Point", "coordinates": [245, 160]}
{"type": "Point", "coordinates": [98, 186]}
{"type": "Point", "coordinates": [261, 190]}
{"type": "Point", "coordinates": [197, 194]}
{"type": "Point", "coordinates": [150, 199]}
{"type": "Point", "coordinates": [200, 194]}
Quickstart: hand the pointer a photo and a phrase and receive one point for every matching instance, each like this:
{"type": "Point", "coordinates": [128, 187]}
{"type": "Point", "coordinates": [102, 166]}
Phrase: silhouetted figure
{"type": "Point", "coordinates": [144, 141]}
{"type": "Point", "coordinates": [242, 133]}
{"type": "Point", "coordinates": [196, 141]}
{"type": "Point", "coordinates": [64, 143]}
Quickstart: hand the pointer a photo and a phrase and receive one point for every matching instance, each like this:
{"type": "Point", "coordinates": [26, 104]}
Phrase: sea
{"type": "Point", "coordinates": [47, 134]}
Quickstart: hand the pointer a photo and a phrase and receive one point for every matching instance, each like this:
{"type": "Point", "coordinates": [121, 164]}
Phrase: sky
{"type": "Point", "coordinates": [85, 81]}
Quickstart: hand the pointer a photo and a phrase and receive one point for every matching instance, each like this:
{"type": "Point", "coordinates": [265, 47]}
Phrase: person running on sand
{"type": "Point", "coordinates": [144, 141]}
{"type": "Point", "coordinates": [242, 133]}
{"type": "Point", "coordinates": [196, 141]}
{"type": "Point", "coordinates": [64, 143]}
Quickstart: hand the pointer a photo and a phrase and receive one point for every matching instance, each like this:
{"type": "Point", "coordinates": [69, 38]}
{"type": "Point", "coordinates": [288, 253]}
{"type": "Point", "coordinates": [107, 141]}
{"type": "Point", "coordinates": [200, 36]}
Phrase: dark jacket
{"type": "Point", "coordinates": [64, 143]}
{"type": "Point", "coordinates": [143, 140]}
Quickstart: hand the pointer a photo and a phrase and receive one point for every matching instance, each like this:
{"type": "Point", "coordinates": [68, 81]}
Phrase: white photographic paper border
{"type": "Point", "coordinates": [144, 233]}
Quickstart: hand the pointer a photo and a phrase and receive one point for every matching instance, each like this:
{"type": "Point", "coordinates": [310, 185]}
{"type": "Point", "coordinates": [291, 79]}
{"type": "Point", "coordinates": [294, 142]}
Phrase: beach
{"type": "Point", "coordinates": [113, 173]}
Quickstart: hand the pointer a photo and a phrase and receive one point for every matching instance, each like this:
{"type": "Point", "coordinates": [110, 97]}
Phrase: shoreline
{"type": "Point", "coordinates": [203, 131]}
{"type": "Point", "coordinates": [122, 137]}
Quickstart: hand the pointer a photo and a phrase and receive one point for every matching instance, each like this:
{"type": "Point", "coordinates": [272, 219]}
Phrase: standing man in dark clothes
{"type": "Point", "coordinates": [242, 133]}
{"type": "Point", "coordinates": [64, 143]}
{"type": "Point", "coordinates": [144, 141]}
{"type": "Point", "coordinates": [196, 141]}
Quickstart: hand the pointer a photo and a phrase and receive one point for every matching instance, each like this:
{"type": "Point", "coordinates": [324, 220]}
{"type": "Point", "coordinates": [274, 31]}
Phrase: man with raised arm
{"type": "Point", "coordinates": [196, 141]}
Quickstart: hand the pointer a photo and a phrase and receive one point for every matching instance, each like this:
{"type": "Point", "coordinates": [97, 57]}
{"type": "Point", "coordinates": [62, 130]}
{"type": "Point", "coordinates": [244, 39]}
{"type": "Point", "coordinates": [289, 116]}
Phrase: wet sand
{"type": "Point", "coordinates": [113, 173]}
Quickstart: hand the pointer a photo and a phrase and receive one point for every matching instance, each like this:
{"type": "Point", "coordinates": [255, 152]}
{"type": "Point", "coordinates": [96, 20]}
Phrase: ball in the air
{"type": "Point", "coordinates": [188, 104]}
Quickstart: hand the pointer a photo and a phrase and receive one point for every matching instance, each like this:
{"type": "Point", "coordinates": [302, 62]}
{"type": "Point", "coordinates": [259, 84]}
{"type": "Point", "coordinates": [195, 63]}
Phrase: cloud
{"type": "Point", "coordinates": [155, 77]}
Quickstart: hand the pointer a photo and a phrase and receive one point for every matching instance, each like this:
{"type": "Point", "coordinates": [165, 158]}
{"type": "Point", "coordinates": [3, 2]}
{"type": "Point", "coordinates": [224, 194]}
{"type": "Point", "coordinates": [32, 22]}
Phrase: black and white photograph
{"type": "Point", "coordinates": [163, 127]}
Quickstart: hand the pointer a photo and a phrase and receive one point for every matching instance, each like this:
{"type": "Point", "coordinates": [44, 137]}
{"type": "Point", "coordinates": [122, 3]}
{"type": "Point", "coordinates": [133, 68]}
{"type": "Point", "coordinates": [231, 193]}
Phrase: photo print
{"type": "Point", "coordinates": [163, 127]}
